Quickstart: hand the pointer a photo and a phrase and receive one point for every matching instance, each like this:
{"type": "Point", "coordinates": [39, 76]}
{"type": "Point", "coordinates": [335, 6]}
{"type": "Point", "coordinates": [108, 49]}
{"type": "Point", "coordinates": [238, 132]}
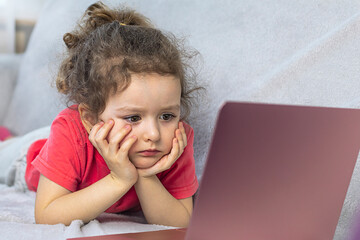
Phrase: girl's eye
{"type": "Point", "coordinates": [167, 117]}
{"type": "Point", "coordinates": [133, 119]}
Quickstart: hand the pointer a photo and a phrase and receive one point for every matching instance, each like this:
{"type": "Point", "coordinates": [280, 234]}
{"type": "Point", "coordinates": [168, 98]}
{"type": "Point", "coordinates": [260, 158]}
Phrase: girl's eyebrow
{"type": "Point", "coordinates": [129, 108]}
{"type": "Point", "coordinates": [172, 107]}
{"type": "Point", "coordinates": [175, 107]}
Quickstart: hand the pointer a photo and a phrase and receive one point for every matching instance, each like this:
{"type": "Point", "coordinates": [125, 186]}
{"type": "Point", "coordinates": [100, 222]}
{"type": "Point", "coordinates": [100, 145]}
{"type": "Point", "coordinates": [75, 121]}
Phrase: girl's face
{"type": "Point", "coordinates": [151, 105]}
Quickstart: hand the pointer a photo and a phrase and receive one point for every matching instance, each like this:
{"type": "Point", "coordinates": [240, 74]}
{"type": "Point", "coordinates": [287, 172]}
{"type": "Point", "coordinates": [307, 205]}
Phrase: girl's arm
{"type": "Point", "coordinates": [55, 204]}
{"type": "Point", "coordinates": [159, 206]}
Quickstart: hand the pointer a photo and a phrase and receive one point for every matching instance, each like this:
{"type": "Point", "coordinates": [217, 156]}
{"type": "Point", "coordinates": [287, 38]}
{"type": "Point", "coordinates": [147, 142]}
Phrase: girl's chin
{"type": "Point", "coordinates": [144, 165]}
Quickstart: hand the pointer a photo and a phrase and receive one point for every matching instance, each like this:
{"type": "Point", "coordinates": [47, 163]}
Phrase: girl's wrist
{"type": "Point", "coordinates": [145, 179]}
{"type": "Point", "coordinates": [127, 183]}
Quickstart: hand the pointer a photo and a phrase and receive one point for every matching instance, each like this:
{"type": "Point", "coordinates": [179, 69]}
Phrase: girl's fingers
{"type": "Point", "coordinates": [125, 147]}
{"type": "Point", "coordinates": [183, 133]}
{"type": "Point", "coordinates": [171, 158]}
{"type": "Point", "coordinates": [147, 172]}
{"type": "Point", "coordinates": [181, 137]}
{"type": "Point", "coordinates": [103, 132]}
{"type": "Point", "coordinates": [180, 140]}
{"type": "Point", "coordinates": [114, 142]}
{"type": "Point", "coordinates": [174, 153]}
{"type": "Point", "coordinates": [94, 131]}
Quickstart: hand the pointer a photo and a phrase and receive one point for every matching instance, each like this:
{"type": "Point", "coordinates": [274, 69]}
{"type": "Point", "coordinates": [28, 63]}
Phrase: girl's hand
{"type": "Point", "coordinates": [178, 146]}
{"type": "Point", "coordinates": [115, 156]}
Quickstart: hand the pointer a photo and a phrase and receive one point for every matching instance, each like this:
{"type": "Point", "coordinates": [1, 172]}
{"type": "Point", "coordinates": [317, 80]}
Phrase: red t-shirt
{"type": "Point", "coordinates": [69, 159]}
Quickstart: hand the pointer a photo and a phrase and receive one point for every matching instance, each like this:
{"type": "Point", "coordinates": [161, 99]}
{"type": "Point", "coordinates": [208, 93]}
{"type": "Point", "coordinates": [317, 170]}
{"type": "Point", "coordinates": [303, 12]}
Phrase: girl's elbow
{"type": "Point", "coordinates": [41, 218]}
{"type": "Point", "coordinates": [183, 224]}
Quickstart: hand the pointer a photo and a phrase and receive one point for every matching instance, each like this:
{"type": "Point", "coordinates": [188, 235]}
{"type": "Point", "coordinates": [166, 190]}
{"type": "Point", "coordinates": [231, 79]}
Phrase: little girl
{"type": "Point", "coordinates": [121, 146]}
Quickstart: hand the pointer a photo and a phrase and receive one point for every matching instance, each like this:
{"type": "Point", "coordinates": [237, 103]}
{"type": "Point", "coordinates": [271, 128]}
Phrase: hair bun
{"type": "Point", "coordinates": [98, 14]}
{"type": "Point", "coordinates": [70, 40]}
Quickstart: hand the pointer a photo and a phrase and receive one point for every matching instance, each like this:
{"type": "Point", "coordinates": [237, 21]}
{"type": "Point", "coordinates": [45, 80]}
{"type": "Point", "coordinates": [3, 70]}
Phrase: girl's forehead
{"type": "Point", "coordinates": [149, 91]}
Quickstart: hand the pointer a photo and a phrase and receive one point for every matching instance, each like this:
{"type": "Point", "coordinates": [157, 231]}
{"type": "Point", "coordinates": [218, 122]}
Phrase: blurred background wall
{"type": "Point", "coordinates": [17, 20]}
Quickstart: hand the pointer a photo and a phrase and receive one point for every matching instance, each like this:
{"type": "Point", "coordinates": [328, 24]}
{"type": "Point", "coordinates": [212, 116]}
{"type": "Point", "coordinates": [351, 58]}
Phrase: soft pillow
{"type": "Point", "coordinates": [13, 156]}
{"type": "Point", "coordinates": [35, 102]}
{"type": "Point", "coordinates": [9, 66]}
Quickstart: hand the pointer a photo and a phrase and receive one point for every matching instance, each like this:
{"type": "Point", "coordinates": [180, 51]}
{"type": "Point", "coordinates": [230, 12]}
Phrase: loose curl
{"type": "Point", "coordinates": [110, 44]}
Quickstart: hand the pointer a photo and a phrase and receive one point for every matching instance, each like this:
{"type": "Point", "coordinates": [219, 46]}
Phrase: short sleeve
{"type": "Point", "coordinates": [180, 180]}
{"type": "Point", "coordinates": [58, 160]}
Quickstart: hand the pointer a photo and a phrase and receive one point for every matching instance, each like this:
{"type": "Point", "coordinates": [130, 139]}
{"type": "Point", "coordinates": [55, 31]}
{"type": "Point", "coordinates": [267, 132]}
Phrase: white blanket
{"type": "Point", "coordinates": [17, 203]}
{"type": "Point", "coordinates": [17, 221]}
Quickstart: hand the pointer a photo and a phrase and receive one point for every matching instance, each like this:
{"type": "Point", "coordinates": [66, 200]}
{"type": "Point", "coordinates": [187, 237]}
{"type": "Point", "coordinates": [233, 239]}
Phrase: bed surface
{"type": "Point", "coordinates": [276, 51]}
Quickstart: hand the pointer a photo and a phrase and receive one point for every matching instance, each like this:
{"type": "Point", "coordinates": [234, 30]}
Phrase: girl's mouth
{"type": "Point", "coordinates": [149, 152]}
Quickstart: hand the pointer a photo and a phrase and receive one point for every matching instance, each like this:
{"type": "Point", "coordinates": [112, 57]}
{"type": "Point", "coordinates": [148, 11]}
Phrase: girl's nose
{"type": "Point", "coordinates": [151, 132]}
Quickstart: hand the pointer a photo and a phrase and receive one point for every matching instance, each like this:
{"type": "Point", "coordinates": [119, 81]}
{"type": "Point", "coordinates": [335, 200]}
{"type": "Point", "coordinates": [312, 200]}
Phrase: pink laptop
{"type": "Point", "coordinates": [272, 172]}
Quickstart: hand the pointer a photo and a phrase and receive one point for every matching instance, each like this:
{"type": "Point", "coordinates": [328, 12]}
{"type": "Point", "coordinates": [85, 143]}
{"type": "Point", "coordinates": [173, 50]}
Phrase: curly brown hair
{"type": "Point", "coordinates": [108, 45]}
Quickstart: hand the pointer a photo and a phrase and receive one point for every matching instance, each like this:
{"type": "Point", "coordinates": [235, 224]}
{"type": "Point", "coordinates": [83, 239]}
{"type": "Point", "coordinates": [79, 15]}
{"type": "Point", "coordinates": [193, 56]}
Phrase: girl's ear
{"type": "Point", "coordinates": [87, 118]}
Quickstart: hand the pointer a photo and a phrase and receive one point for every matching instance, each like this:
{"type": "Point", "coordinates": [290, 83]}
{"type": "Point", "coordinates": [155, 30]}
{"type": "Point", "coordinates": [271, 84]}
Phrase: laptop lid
{"type": "Point", "coordinates": [276, 172]}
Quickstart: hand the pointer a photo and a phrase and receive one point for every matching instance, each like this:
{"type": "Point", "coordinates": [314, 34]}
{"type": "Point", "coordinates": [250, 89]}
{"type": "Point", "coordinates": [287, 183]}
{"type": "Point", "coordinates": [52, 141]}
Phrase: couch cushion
{"type": "Point", "coordinates": [9, 68]}
{"type": "Point", "coordinates": [35, 103]}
